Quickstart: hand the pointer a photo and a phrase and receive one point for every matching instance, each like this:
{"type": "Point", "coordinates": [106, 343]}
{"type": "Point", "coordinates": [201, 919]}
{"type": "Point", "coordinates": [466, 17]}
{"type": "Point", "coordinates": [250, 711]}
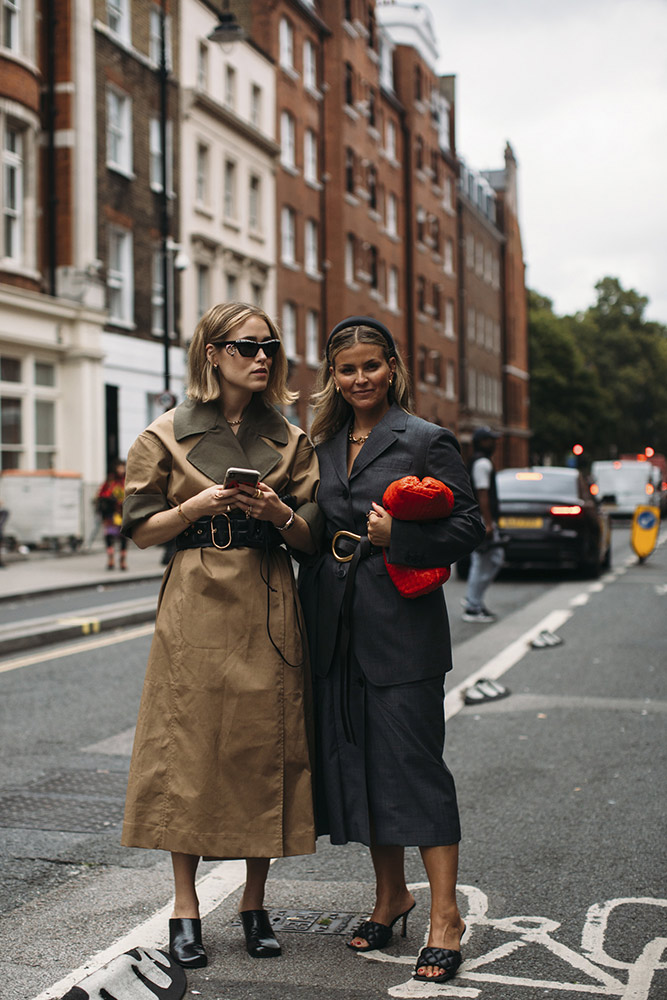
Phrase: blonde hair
{"type": "Point", "coordinates": [331, 410]}
{"type": "Point", "coordinates": [214, 327]}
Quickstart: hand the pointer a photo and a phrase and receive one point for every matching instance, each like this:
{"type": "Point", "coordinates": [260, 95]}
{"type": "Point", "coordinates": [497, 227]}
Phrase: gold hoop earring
{"type": "Point", "coordinates": [337, 388]}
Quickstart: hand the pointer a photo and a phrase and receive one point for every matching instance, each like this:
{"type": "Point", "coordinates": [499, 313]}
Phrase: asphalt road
{"type": "Point", "coordinates": [561, 789]}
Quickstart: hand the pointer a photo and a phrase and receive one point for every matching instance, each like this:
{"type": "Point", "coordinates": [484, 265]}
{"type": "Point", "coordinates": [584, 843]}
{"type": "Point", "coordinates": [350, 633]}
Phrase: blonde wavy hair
{"type": "Point", "coordinates": [215, 327]}
{"type": "Point", "coordinates": [331, 410]}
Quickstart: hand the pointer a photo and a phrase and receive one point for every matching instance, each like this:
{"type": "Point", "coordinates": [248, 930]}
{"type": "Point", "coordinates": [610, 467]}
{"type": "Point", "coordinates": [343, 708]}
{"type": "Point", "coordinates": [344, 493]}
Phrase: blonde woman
{"type": "Point", "coordinates": [379, 659]}
{"type": "Point", "coordinates": [221, 763]}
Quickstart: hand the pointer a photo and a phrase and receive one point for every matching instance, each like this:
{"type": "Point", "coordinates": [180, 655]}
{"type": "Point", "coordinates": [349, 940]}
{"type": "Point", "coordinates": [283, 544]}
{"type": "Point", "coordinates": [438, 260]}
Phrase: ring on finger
{"type": "Point", "coordinates": [258, 493]}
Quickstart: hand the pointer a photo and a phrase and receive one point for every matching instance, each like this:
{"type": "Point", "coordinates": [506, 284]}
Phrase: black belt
{"type": "Point", "coordinates": [347, 547]}
{"type": "Point", "coordinates": [228, 531]}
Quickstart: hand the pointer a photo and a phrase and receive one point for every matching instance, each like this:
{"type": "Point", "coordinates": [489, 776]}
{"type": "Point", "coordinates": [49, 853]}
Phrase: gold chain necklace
{"type": "Point", "coordinates": [357, 440]}
{"type": "Point", "coordinates": [234, 423]}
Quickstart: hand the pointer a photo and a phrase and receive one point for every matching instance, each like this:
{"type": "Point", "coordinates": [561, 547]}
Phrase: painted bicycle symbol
{"type": "Point", "coordinates": [588, 969]}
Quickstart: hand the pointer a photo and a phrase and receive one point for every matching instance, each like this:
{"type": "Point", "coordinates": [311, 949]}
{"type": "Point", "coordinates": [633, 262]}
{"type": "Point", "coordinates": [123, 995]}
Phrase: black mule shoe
{"type": "Point", "coordinates": [377, 935]}
{"type": "Point", "coordinates": [445, 959]}
{"type": "Point", "coordinates": [260, 941]}
{"type": "Point", "coordinates": [185, 945]}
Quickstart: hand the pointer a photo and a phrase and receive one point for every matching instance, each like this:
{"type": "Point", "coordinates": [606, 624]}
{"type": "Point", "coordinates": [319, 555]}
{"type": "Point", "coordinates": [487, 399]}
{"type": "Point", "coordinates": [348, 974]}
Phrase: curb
{"type": "Point", "coordinates": [23, 595]}
{"type": "Point", "coordinates": [86, 624]}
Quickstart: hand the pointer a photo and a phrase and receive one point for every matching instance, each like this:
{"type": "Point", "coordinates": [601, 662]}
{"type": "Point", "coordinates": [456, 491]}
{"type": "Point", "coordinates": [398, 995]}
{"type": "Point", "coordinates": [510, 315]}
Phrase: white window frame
{"type": "Point", "coordinates": [256, 105]}
{"type": "Point", "coordinates": [202, 172]}
{"type": "Point", "coordinates": [288, 235]}
{"type": "Point", "coordinates": [449, 319]}
{"type": "Point", "coordinates": [391, 222]}
{"type": "Point", "coordinates": [289, 322]}
{"type": "Point", "coordinates": [155, 156]}
{"type": "Point", "coordinates": [155, 37]}
{"type": "Point", "coordinates": [118, 18]}
{"type": "Point", "coordinates": [392, 289]}
{"type": "Point", "coordinates": [309, 64]}
{"type": "Point", "coordinates": [448, 265]}
{"type": "Point", "coordinates": [120, 279]}
{"type": "Point", "coordinates": [13, 191]}
{"type": "Point", "coordinates": [230, 189]}
{"type": "Point", "coordinates": [255, 203]}
{"type": "Point", "coordinates": [119, 132]}
{"type": "Point", "coordinates": [312, 338]}
{"type": "Point", "coordinates": [287, 140]}
{"type": "Point", "coordinates": [286, 41]}
{"type": "Point", "coordinates": [10, 36]}
{"type": "Point", "coordinates": [231, 287]}
{"type": "Point", "coordinates": [202, 66]}
{"type": "Point", "coordinates": [311, 252]}
{"type": "Point", "coordinates": [157, 296]}
{"type": "Point", "coordinates": [310, 156]}
{"type": "Point", "coordinates": [450, 380]}
{"type": "Point", "coordinates": [390, 139]}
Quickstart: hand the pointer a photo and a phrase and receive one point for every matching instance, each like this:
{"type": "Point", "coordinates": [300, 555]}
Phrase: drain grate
{"type": "Point", "coordinates": [71, 802]}
{"type": "Point", "coordinates": [312, 921]}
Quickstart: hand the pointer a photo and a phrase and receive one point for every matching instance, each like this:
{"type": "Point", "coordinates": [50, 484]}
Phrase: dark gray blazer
{"type": "Point", "coordinates": [395, 639]}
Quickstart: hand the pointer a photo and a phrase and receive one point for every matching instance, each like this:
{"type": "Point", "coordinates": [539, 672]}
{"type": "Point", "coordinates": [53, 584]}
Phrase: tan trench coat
{"type": "Point", "coordinates": [221, 761]}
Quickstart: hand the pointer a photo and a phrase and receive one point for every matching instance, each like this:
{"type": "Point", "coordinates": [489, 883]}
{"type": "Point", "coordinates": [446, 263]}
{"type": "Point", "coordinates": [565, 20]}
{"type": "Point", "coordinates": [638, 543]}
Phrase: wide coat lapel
{"type": "Point", "coordinates": [382, 437]}
{"type": "Point", "coordinates": [219, 448]}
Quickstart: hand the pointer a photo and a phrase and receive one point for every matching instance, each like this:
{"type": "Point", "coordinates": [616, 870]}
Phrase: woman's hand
{"type": "Point", "coordinates": [379, 526]}
{"type": "Point", "coordinates": [262, 503]}
{"type": "Point", "coordinates": [212, 500]}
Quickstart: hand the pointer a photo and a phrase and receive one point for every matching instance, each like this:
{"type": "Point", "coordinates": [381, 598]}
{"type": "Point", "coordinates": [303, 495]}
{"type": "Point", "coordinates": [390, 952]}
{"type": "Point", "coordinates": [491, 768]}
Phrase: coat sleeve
{"type": "Point", "coordinates": [146, 482]}
{"type": "Point", "coordinates": [442, 542]}
{"type": "Point", "coordinates": [304, 483]}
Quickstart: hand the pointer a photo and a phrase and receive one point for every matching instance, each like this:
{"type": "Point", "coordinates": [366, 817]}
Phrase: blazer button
{"type": "Point", "coordinates": [341, 572]}
{"type": "Point", "coordinates": [346, 494]}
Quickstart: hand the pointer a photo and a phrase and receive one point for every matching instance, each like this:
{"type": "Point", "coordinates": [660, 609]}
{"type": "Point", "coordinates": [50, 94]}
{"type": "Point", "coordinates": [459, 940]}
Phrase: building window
{"type": "Point", "coordinates": [470, 251]}
{"type": "Point", "coordinates": [202, 66]}
{"type": "Point", "coordinates": [255, 204]}
{"type": "Point", "coordinates": [157, 296]}
{"type": "Point", "coordinates": [232, 288]}
{"type": "Point", "coordinates": [391, 222]}
{"type": "Point", "coordinates": [119, 132]}
{"type": "Point", "coordinates": [287, 140]}
{"type": "Point", "coordinates": [155, 155]}
{"type": "Point", "coordinates": [201, 175]}
{"type": "Point", "coordinates": [372, 188]}
{"type": "Point", "coordinates": [289, 329]}
{"type": "Point", "coordinates": [45, 374]}
{"type": "Point", "coordinates": [349, 170]}
{"type": "Point", "coordinates": [421, 363]}
{"type": "Point", "coordinates": [479, 260]}
{"type": "Point", "coordinates": [230, 86]}
{"type": "Point", "coordinates": [311, 255]}
{"type": "Point", "coordinates": [312, 338]}
{"type": "Point", "coordinates": [449, 318]}
{"type": "Point", "coordinates": [230, 201]}
{"type": "Point", "coordinates": [10, 37]}
{"type": "Point", "coordinates": [348, 84]}
{"type": "Point", "coordinates": [11, 431]}
{"type": "Point", "coordinates": [309, 65]}
{"type": "Point", "coordinates": [480, 329]}
{"type": "Point", "coordinates": [155, 37]}
{"type": "Point", "coordinates": [288, 235]}
{"type": "Point", "coordinates": [471, 325]}
{"type": "Point", "coordinates": [118, 18]}
{"type": "Point", "coordinates": [120, 276]}
{"type": "Point", "coordinates": [373, 267]}
{"type": "Point", "coordinates": [435, 166]}
{"type": "Point", "coordinates": [256, 105]}
{"type": "Point", "coordinates": [449, 256]}
{"type": "Point", "coordinates": [257, 294]}
{"type": "Point", "coordinates": [450, 381]}
{"type": "Point", "coordinates": [421, 218]}
{"type": "Point", "coordinates": [447, 194]}
{"type": "Point", "coordinates": [392, 288]}
{"type": "Point", "coordinates": [45, 430]}
{"type": "Point", "coordinates": [286, 35]}
{"type": "Point", "coordinates": [421, 294]}
{"type": "Point", "coordinates": [419, 87]}
{"type": "Point", "coordinates": [390, 140]}
{"type": "Point", "coordinates": [310, 156]}
{"type": "Point", "coordinates": [419, 153]}
{"type": "Point", "coordinates": [13, 172]}
{"type": "Point", "coordinates": [350, 270]}
{"type": "Point", "coordinates": [437, 302]}
{"type": "Point", "coordinates": [435, 234]}
{"type": "Point", "coordinates": [203, 289]}
{"type": "Point", "coordinates": [372, 108]}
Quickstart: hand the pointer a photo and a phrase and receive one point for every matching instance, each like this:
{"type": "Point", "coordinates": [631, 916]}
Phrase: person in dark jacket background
{"type": "Point", "coordinates": [486, 560]}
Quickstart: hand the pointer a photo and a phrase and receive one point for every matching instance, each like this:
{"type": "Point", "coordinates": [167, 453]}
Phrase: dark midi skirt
{"type": "Point", "coordinates": [393, 780]}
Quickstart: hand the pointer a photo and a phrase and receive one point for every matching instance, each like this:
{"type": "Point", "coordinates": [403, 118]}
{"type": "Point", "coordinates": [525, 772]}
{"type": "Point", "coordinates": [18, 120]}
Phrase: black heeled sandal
{"type": "Point", "coordinates": [439, 958]}
{"type": "Point", "coordinates": [185, 945]}
{"type": "Point", "coordinates": [377, 935]}
{"type": "Point", "coordinates": [260, 941]}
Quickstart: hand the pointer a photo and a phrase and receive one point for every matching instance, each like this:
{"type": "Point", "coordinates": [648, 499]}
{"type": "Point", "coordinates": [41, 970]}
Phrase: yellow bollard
{"type": "Point", "coordinates": [645, 528]}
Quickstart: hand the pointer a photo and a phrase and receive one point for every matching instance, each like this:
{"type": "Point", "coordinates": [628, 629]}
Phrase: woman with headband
{"type": "Point", "coordinates": [379, 659]}
{"type": "Point", "coordinates": [221, 761]}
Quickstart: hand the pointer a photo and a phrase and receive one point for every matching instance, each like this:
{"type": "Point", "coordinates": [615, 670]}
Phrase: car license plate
{"type": "Point", "coordinates": [521, 522]}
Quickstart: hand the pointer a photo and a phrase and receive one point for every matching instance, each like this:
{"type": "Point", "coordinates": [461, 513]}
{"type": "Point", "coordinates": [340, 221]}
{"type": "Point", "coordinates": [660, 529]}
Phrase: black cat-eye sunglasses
{"type": "Point", "coordinates": [250, 348]}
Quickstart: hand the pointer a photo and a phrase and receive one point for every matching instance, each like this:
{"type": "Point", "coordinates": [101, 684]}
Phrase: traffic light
{"type": "Point", "coordinates": [577, 449]}
{"type": "Point", "coordinates": [649, 452]}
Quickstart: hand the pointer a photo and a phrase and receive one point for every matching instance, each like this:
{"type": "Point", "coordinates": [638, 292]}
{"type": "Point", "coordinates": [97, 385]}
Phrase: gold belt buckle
{"type": "Point", "coordinates": [214, 529]}
{"type": "Point", "coordinates": [343, 534]}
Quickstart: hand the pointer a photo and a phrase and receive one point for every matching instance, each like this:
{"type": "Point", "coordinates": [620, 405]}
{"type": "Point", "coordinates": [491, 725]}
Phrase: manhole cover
{"type": "Point", "coordinates": [73, 802]}
{"type": "Point", "coordinates": [312, 921]}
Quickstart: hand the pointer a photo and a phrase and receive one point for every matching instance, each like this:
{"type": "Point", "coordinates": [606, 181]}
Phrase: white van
{"type": "Point", "coordinates": [623, 485]}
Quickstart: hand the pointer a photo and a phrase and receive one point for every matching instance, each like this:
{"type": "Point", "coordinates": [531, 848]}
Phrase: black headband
{"type": "Point", "coordinates": [374, 324]}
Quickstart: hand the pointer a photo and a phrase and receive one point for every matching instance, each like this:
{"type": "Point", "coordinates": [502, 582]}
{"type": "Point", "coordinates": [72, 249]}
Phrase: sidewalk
{"type": "Point", "coordinates": [42, 572]}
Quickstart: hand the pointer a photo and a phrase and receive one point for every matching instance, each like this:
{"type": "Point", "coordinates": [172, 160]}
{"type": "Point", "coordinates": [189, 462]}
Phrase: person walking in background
{"type": "Point", "coordinates": [221, 761]}
{"type": "Point", "coordinates": [380, 659]}
{"type": "Point", "coordinates": [486, 560]}
{"type": "Point", "coordinates": [109, 502]}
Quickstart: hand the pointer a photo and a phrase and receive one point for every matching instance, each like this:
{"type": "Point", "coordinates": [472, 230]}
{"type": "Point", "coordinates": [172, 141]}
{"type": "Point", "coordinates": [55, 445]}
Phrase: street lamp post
{"type": "Point", "coordinates": [167, 398]}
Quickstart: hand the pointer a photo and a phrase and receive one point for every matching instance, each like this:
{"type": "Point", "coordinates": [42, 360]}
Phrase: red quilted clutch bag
{"type": "Point", "coordinates": [414, 499]}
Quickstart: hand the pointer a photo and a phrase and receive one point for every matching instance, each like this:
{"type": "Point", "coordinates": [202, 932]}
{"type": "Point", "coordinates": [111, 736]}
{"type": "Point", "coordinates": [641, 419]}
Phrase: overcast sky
{"type": "Point", "coordinates": [579, 88]}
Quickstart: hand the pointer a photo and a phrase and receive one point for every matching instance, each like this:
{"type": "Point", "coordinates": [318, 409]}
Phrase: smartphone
{"type": "Point", "coordinates": [241, 477]}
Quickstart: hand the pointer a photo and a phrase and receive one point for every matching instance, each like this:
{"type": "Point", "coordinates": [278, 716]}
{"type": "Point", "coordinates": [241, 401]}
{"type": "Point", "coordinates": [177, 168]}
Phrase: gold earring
{"type": "Point", "coordinates": [337, 388]}
{"type": "Point", "coordinates": [391, 380]}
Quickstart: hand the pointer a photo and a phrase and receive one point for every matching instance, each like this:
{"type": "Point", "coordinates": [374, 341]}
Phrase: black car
{"type": "Point", "coordinates": [549, 516]}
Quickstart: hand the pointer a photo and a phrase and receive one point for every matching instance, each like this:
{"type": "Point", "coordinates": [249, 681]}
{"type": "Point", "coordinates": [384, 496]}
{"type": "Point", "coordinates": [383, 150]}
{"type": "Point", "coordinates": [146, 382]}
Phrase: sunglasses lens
{"type": "Point", "coordinates": [271, 348]}
{"type": "Point", "coordinates": [247, 348]}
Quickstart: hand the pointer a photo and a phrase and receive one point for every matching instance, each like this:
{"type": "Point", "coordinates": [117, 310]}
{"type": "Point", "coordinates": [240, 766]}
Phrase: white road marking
{"type": "Point", "coordinates": [76, 647]}
{"type": "Point", "coordinates": [212, 889]}
{"type": "Point", "coordinates": [579, 600]}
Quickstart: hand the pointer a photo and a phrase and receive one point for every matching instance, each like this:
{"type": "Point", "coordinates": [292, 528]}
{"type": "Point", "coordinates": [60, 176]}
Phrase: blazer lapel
{"type": "Point", "coordinates": [337, 446]}
{"type": "Point", "coordinates": [220, 449]}
{"type": "Point", "coordinates": [382, 437]}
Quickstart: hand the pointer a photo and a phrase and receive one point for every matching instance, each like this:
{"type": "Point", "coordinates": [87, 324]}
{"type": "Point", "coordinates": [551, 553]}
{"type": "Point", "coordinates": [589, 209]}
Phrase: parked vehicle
{"type": "Point", "coordinates": [549, 517]}
{"type": "Point", "coordinates": [625, 484]}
